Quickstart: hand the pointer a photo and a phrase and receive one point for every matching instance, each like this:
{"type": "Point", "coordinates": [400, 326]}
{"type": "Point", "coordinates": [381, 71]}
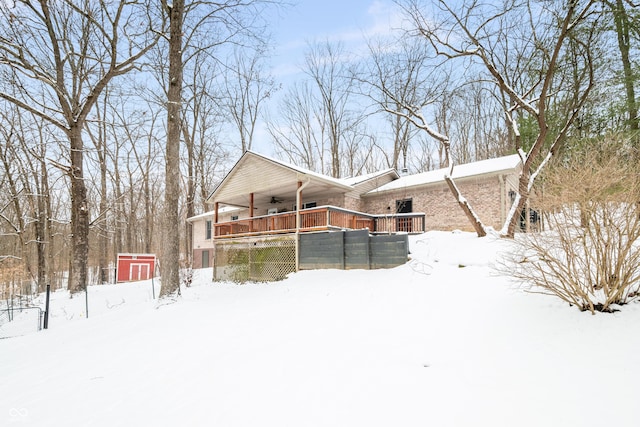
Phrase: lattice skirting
{"type": "Point", "coordinates": [262, 259]}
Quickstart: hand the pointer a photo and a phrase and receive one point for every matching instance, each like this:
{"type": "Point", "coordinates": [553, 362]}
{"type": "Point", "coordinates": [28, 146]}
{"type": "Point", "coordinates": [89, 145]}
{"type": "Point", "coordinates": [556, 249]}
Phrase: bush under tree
{"type": "Point", "coordinates": [589, 253]}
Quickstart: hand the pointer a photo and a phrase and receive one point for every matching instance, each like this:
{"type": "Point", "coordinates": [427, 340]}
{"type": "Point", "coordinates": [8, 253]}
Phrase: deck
{"type": "Point", "coordinates": [320, 219]}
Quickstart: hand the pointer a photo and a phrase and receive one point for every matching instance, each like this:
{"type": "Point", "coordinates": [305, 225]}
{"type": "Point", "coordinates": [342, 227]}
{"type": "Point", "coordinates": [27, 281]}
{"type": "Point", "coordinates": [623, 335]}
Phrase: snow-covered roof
{"type": "Point", "coordinates": [211, 214]}
{"type": "Point", "coordinates": [257, 179]}
{"type": "Point", "coordinates": [350, 181]}
{"type": "Point", "coordinates": [355, 180]}
{"type": "Point", "coordinates": [482, 167]}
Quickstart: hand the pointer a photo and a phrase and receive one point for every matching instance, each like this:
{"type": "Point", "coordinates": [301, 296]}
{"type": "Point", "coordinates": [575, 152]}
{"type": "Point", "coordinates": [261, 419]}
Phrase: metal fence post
{"type": "Point", "coordinates": [46, 308]}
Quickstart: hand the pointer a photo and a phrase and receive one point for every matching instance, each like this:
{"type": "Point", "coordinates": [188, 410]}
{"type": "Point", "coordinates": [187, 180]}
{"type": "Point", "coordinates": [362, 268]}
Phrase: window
{"type": "Point", "coordinates": [309, 205]}
{"type": "Point", "coordinates": [208, 230]}
{"type": "Point", "coordinates": [234, 217]}
{"type": "Point", "coordinates": [404, 206]}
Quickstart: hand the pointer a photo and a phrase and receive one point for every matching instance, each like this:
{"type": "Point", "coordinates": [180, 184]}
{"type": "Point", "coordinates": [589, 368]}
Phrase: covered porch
{"type": "Point", "coordinates": [320, 218]}
{"type": "Point", "coordinates": [261, 196]}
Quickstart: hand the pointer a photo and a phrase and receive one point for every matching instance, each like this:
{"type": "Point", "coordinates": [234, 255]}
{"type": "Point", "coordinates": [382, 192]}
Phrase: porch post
{"type": "Point", "coordinates": [215, 219]}
{"type": "Point", "coordinates": [299, 205]}
{"type": "Point", "coordinates": [250, 212]}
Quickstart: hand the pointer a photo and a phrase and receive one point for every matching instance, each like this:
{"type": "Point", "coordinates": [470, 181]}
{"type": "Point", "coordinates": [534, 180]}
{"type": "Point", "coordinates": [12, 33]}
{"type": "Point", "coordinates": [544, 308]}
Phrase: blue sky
{"type": "Point", "coordinates": [319, 18]}
{"type": "Point", "coordinates": [336, 20]}
{"type": "Point", "coordinates": [350, 22]}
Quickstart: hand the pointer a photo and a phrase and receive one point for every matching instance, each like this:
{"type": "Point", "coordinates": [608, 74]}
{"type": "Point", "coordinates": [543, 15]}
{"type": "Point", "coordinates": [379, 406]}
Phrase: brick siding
{"type": "Point", "coordinates": [486, 195]}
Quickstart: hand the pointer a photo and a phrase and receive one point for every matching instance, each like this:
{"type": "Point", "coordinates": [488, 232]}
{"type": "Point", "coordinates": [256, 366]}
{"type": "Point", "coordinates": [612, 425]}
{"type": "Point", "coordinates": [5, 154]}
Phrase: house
{"type": "Point", "coordinates": [264, 202]}
{"type": "Point", "coordinates": [488, 185]}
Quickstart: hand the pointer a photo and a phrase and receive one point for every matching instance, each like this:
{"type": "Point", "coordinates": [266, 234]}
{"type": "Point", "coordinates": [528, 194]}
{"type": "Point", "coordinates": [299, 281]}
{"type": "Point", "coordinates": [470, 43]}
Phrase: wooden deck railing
{"type": "Point", "coordinates": [400, 223]}
{"type": "Point", "coordinates": [320, 218]}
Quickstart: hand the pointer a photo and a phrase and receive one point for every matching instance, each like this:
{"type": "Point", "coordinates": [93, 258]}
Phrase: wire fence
{"type": "Point", "coordinates": [17, 320]}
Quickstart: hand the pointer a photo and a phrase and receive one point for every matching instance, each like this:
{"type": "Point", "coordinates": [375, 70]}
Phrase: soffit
{"type": "Point", "coordinates": [266, 178]}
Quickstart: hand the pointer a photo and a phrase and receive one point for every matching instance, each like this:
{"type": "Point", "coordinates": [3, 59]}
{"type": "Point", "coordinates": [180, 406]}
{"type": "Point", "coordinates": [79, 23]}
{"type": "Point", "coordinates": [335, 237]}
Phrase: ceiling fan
{"type": "Point", "coordinates": [274, 200]}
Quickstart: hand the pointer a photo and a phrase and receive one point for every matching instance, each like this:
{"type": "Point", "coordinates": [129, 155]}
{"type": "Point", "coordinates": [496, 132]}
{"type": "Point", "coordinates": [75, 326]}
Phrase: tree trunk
{"type": "Point", "coordinates": [52, 277]}
{"type": "Point", "coordinates": [148, 217]}
{"type": "Point", "coordinates": [191, 193]}
{"type": "Point", "coordinates": [521, 201]}
{"type": "Point", "coordinates": [170, 264]}
{"type": "Point", "coordinates": [119, 210]}
{"type": "Point", "coordinates": [131, 220]}
{"type": "Point", "coordinates": [41, 228]}
{"type": "Point", "coordinates": [466, 208]}
{"type": "Point", "coordinates": [79, 214]}
{"type": "Point", "coordinates": [103, 239]}
{"type": "Point", "coordinates": [621, 20]}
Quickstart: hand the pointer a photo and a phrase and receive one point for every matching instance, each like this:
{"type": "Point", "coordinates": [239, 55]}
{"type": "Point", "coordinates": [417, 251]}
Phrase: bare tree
{"type": "Point", "coordinates": [66, 53]}
{"type": "Point", "coordinates": [625, 28]}
{"type": "Point", "coordinates": [320, 124]}
{"type": "Point", "coordinates": [123, 168]}
{"type": "Point", "coordinates": [359, 151]}
{"type": "Point", "coordinates": [246, 87]}
{"type": "Point", "coordinates": [202, 117]}
{"type": "Point", "coordinates": [15, 186]}
{"type": "Point", "coordinates": [207, 28]}
{"type": "Point", "coordinates": [500, 40]}
{"type": "Point", "coordinates": [476, 122]}
{"type": "Point", "coordinates": [24, 143]}
{"type": "Point", "coordinates": [170, 256]}
{"type": "Point", "coordinates": [134, 132]}
{"type": "Point", "coordinates": [422, 154]}
{"type": "Point", "coordinates": [390, 81]}
{"type": "Point", "coordinates": [297, 135]}
{"type": "Point", "coordinates": [98, 136]}
{"type": "Point", "coordinates": [327, 66]}
{"type": "Point", "coordinates": [405, 72]}
{"type": "Point", "coordinates": [399, 72]}
{"type": "Point", "coordinates": [591, 258]}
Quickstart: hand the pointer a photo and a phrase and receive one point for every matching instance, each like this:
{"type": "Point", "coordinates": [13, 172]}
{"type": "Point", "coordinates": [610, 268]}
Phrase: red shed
{"type": "Point", "coordinates": [132, 267]}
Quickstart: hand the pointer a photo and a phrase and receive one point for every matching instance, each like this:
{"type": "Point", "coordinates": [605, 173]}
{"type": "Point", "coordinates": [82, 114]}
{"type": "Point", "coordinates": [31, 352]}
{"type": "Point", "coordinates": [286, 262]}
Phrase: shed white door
{"type": "Point", "coordinates": [139, 271]}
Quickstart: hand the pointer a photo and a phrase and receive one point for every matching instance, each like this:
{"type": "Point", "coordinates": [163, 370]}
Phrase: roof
{"type": "Point", "coordinates": [482, 167]}
{"type": "Point", "coordinates": [211, 214]}
{"type": "Point", "coordinates": [270, 179]}
{"type": "Point", "coordinates": [355, 180]}
{"type": "Point", "coordinates": [264, 182]}
{"type": "Point", "coordinates": [246, 157]}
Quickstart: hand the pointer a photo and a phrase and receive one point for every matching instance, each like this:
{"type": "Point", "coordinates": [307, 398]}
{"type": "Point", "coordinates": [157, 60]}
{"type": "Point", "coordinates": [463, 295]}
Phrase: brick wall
{"type": "Point", "coordinates": [199, 255]}
{"type": "Point", "coordinates": [488, 196]}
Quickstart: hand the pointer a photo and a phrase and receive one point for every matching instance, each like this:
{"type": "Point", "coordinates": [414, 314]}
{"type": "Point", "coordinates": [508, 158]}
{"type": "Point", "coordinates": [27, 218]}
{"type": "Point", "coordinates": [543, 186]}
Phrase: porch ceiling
{"type": "Point", "coordinates": [273, 184]}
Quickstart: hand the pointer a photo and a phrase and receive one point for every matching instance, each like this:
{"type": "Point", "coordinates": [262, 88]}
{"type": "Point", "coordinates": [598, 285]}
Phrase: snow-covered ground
{"type": "Point", "coordinates": [441, 341]}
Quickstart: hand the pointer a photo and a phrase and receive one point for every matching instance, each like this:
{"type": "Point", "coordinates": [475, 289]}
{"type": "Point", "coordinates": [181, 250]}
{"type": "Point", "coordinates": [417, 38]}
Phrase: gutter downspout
{"type": "Point", "coordinates": [213, 240]}
{"type": "Point", "coordinates": [298, 206]}
{"type": "Point", "coordinates": [503, 198]}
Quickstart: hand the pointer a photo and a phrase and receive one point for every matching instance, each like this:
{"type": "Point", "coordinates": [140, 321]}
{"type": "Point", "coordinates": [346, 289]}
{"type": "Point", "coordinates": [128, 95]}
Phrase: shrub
{"type": "Point", "coordinates": [589, 254]}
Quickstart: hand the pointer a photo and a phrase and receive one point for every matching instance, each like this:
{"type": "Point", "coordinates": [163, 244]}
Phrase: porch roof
{"type": "Point", "coordinates": [272, 182]}
{"type": "Point", "coordinates": [211, 214]}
